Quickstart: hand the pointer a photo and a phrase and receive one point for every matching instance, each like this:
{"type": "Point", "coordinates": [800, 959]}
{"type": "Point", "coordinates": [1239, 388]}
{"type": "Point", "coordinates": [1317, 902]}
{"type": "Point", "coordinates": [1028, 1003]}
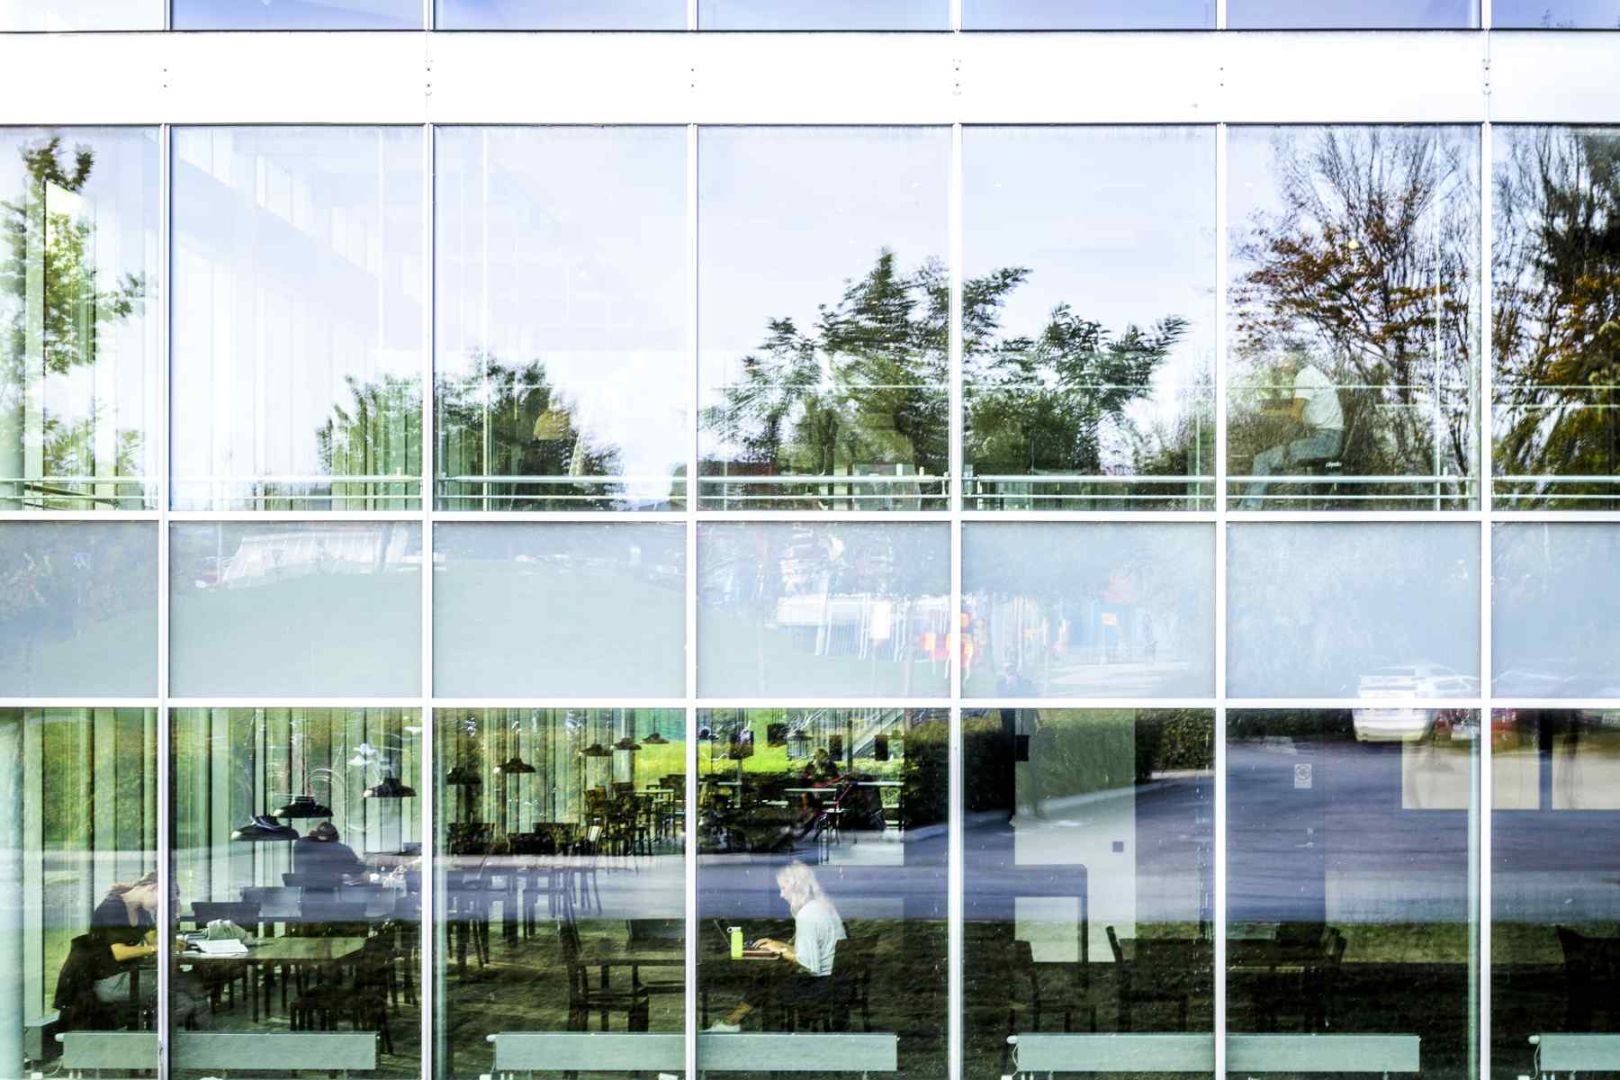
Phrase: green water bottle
{"type": "Point", "coordinates": [736, 942]}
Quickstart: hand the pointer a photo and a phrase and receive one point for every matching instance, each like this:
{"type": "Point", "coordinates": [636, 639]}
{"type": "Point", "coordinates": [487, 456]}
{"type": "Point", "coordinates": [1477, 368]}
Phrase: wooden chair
{"type": "Point", "coordinates": [585, 999]}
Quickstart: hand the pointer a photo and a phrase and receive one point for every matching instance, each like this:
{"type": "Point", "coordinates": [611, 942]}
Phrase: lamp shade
{"type": "Point", "coordinates": [655, 739]}
{"type": "Point", "coordinates": [389, 787]}
{"type": "Point", "coordinates": [627, 743]}
{"type": "Point", "coordinates": [461, 776]}
{"type": "Point", "coordinates": [303, 806]}
{"type": "Point", "coordinates": [515, 767]}
{"type": "Point", "coordinates": [596, 749]}
{"type": "Point", "coordinates": [263, 829]}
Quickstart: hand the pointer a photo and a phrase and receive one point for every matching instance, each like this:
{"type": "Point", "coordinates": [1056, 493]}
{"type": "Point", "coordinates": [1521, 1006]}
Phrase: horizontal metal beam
{"type": "Point", "coordinates": [562, 78]}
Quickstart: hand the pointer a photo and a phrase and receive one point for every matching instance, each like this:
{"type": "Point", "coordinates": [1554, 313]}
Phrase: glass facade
{"type": "Point", "coordinates": [851, 574]}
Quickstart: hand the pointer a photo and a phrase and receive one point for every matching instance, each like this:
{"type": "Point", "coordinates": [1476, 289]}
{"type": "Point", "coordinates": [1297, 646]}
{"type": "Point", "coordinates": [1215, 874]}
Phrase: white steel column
{"type": "Point", "coordinates": [1221, 522]}
{"type": "Point", "coordinates": [427, 784]}
{"type": "Point", "coordinates": [955, 640]}
{"type": "Point", "coordinates": [689, 513]}
{"type": "Point", "coordinates": [165, 764]}
{"type": "Point", "coordinates": [1480, 847]}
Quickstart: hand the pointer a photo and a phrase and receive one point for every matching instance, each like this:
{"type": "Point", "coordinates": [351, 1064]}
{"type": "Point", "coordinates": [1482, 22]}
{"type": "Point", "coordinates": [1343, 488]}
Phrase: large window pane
{"type": "Point", "coordinates": [1556, 14]}
{"type": "Point", "coordinates": [1555, 932]}
{"type": "Point", "coordinates": [78, 610]}
{"type": "Point", "coordinates": [1353, 610]}
{"type": "Point", "coordinates": [824, 318]}
{"type": "Point", "coordinates": [297, 878]}
{"type": "Point", "coordinates": [1089, 877]}
{"type": "Point", "coordinates": [559, 610]}
{"type": "Point", "coordinates": [295, 610]}
{"type": "Point", "coordinates": [563, 370]}
{"type": "Point", "coordinates": [1553, 596]}
{"type": "Point", "coordinates": [1095, 610]}
{"type": "Point", "coordinates": [845, 610]}
{"type": "Point", "coordinates": [1555, 290]}
{"type": "Point", "coordinates": [561, 891]}
{"type": "Point", "coordinates": [1354, 316]}
{"type": "Point", "coordinates": [79, 318]}
{"type": "Point", "coordinates": [561, 15]}
{"type": "Point", "coordinates": [821, 891]}
{"type": "Point", "coordinates": [1353, 14]}
{"type": "Point", "coordinates": [1349, 894]}
{"type": "Point", "coordinates": [82, 15]}
{"type": "Point", "coordinates": [1088, 349]}
{"type": "Point", "coordinates": [78, 913]}
{"type": "Point", "coordinates": [824, 15]}
{"type": "Point", "coordinates": [297, 14]}
{"type": "Point", "coordinates": [298, 318]}
{"type": "Point", "coordinates": [1088, 15]}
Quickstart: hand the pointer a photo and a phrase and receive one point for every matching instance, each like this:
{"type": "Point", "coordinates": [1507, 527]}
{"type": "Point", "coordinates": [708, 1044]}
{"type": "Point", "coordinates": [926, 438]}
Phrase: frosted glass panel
{"type": "Point", "coordinates": [1088, 14]}
{"type": "Point", "coordinates": [59, 15]}
{"type": "Point", "coordinates": [295, 610]}
{"type": "Point", "coordinates": [1095, 610]}
{"type": "Point", "coordinates": [824, 15]}
{"type": "Point", "coordinates": [1353, 610]}
{"type": "Point", "coordinates": [297, 14]}
{"type": "Point", "coordinates": [78, 610]}
{"type": "Point", "coordinates": [1553, 594]}
{"type": "Point", "coordinates": [1556, 14]}
{"type": "Point", "coordinates": [836, 610]}
{"type": "Point", "coordinates": [1353, 14]}
{"type": "Point", "coordinates": [559, 610]}
{"type": "Point", "coordinates": [561, 15]}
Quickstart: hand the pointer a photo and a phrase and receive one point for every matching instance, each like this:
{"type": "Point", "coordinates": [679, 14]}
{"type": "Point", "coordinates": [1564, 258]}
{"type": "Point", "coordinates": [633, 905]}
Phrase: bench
{"type": "Point", "coordinates": [84, 1051]}
{"type": "Point", "coordinates": [814, 1052]}
{"type": "Point", "coordinates": [1178, 1053]}
{"type": "Point", "coordinates": [797, 1052]}
{"type": "Point", "coordinates": [1560, 1053]}
{"type": "Point", "coordinates": [562, 1051]}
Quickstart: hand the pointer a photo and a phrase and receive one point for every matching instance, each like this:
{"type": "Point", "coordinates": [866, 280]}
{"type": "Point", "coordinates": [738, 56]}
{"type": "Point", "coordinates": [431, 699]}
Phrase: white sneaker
{"type": "Point", "coordinates": [720, 1027]}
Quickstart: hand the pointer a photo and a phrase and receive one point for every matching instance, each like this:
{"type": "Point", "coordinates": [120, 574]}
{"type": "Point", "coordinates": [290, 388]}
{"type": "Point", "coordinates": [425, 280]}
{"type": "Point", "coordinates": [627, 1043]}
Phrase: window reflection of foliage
{"type": "Point", "coordinates": [1556, 317]}
{"type": "Point", "coordinates": [501, 420]}
{"type": "Point", "coordinates": [867, 383]}
{"type": "Point", "coordinates": [1365, 269]}
{"type": "Point", "coordinates": [378, 432]}
{"type": "Point", "coordinates": [61, 572]}
{"type": "Point", "coordinates": [54, 308]}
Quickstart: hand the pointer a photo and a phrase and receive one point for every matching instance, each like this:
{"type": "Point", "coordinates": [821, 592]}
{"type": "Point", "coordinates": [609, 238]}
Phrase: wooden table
{"type": "Point", "coordinates": [264, 953]}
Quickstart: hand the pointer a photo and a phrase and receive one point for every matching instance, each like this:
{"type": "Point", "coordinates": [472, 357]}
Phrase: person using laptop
{"type": "Point", "coordinates": [817, 930]}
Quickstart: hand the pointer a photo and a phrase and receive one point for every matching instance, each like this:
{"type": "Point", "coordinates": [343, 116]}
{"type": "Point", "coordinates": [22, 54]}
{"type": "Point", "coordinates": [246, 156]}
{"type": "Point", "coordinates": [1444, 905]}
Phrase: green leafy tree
{"type": "Point", "coordinates": [499, 420]}
{"type": "Point", "coordinates": [54, 307]}
{"type": "Point", "coordinates": [866, 383]}
{"type": "Point", "coordinates": [1556, 317]}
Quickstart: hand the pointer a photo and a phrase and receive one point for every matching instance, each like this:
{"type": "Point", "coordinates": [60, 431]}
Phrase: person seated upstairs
{"type": "Point", "coordinates": [1316, 433]}
{"type": "Point", "coordinates": [322, 860]}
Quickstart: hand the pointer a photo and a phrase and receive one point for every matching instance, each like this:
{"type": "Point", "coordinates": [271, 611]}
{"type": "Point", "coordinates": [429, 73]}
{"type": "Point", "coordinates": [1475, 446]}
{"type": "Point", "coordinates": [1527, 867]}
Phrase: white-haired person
{"type": "Point", "coordinates": [817, 930]}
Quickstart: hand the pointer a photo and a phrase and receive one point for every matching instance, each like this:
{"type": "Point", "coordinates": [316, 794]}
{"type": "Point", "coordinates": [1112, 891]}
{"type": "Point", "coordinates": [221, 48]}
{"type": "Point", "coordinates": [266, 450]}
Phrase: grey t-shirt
{"type": "Point", "coordinates": [817, 930]}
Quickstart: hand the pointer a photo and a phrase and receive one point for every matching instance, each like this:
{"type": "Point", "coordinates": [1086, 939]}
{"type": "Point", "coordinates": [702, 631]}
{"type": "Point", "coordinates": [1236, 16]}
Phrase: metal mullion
{"type": "Point", "coordinates": [1590, 517]}
{"type": "Point", "coordinates": [1354, 516]}
{"type": "Point", "coordinates": [1218, 915]}
{"type": "Point", "coordinates": [689, 1000]}
{"type": "Point", "coordinates": [37, 516]}
{"type": "Point", "coordinates": [302, 517]}
{"type": "Point", "coordinates": [284, 702]}
{"type": "Point", "coordinates": [844, 516]}
{"type": "Point", "coordinates": [1483, 799]}
{"type": "Point", "coordinates": [595, 517]}
{"type": "Point", "coordinates": [79, 703]}
{"type": "Point", "coordinates": [559, 703]}
{"type": "Point", "coordinates": [427, 785]}
{"type": "Point", "coordinates": [165, 770]}
{"type": "Point", "coordinates": [1069, 517]}
{"type": "Point", "coordinates": [955, 639]}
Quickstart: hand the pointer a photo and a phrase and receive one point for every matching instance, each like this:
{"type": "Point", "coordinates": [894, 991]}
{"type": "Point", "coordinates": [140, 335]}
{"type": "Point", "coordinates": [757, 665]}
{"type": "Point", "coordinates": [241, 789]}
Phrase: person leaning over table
{"type": "Point", "coordinates": [122, 937]}
{"type": "Point", "coordinates": [817, 930]}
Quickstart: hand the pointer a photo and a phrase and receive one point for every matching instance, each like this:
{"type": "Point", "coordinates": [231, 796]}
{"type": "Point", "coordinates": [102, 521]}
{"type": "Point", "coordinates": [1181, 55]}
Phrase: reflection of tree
{"type": "Point", "coordinates": [498, 421]}
{"type": "Point", "coordinates": [53, 309]}
{"type": "Point", "coordinates": [1556, 318]}
{"type": "Point", "coordinates": [377, 433]}
{"type": "Point", "coordinates": [867, 382]}
{"type": "Point", "coordinates": [1365, 269]}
